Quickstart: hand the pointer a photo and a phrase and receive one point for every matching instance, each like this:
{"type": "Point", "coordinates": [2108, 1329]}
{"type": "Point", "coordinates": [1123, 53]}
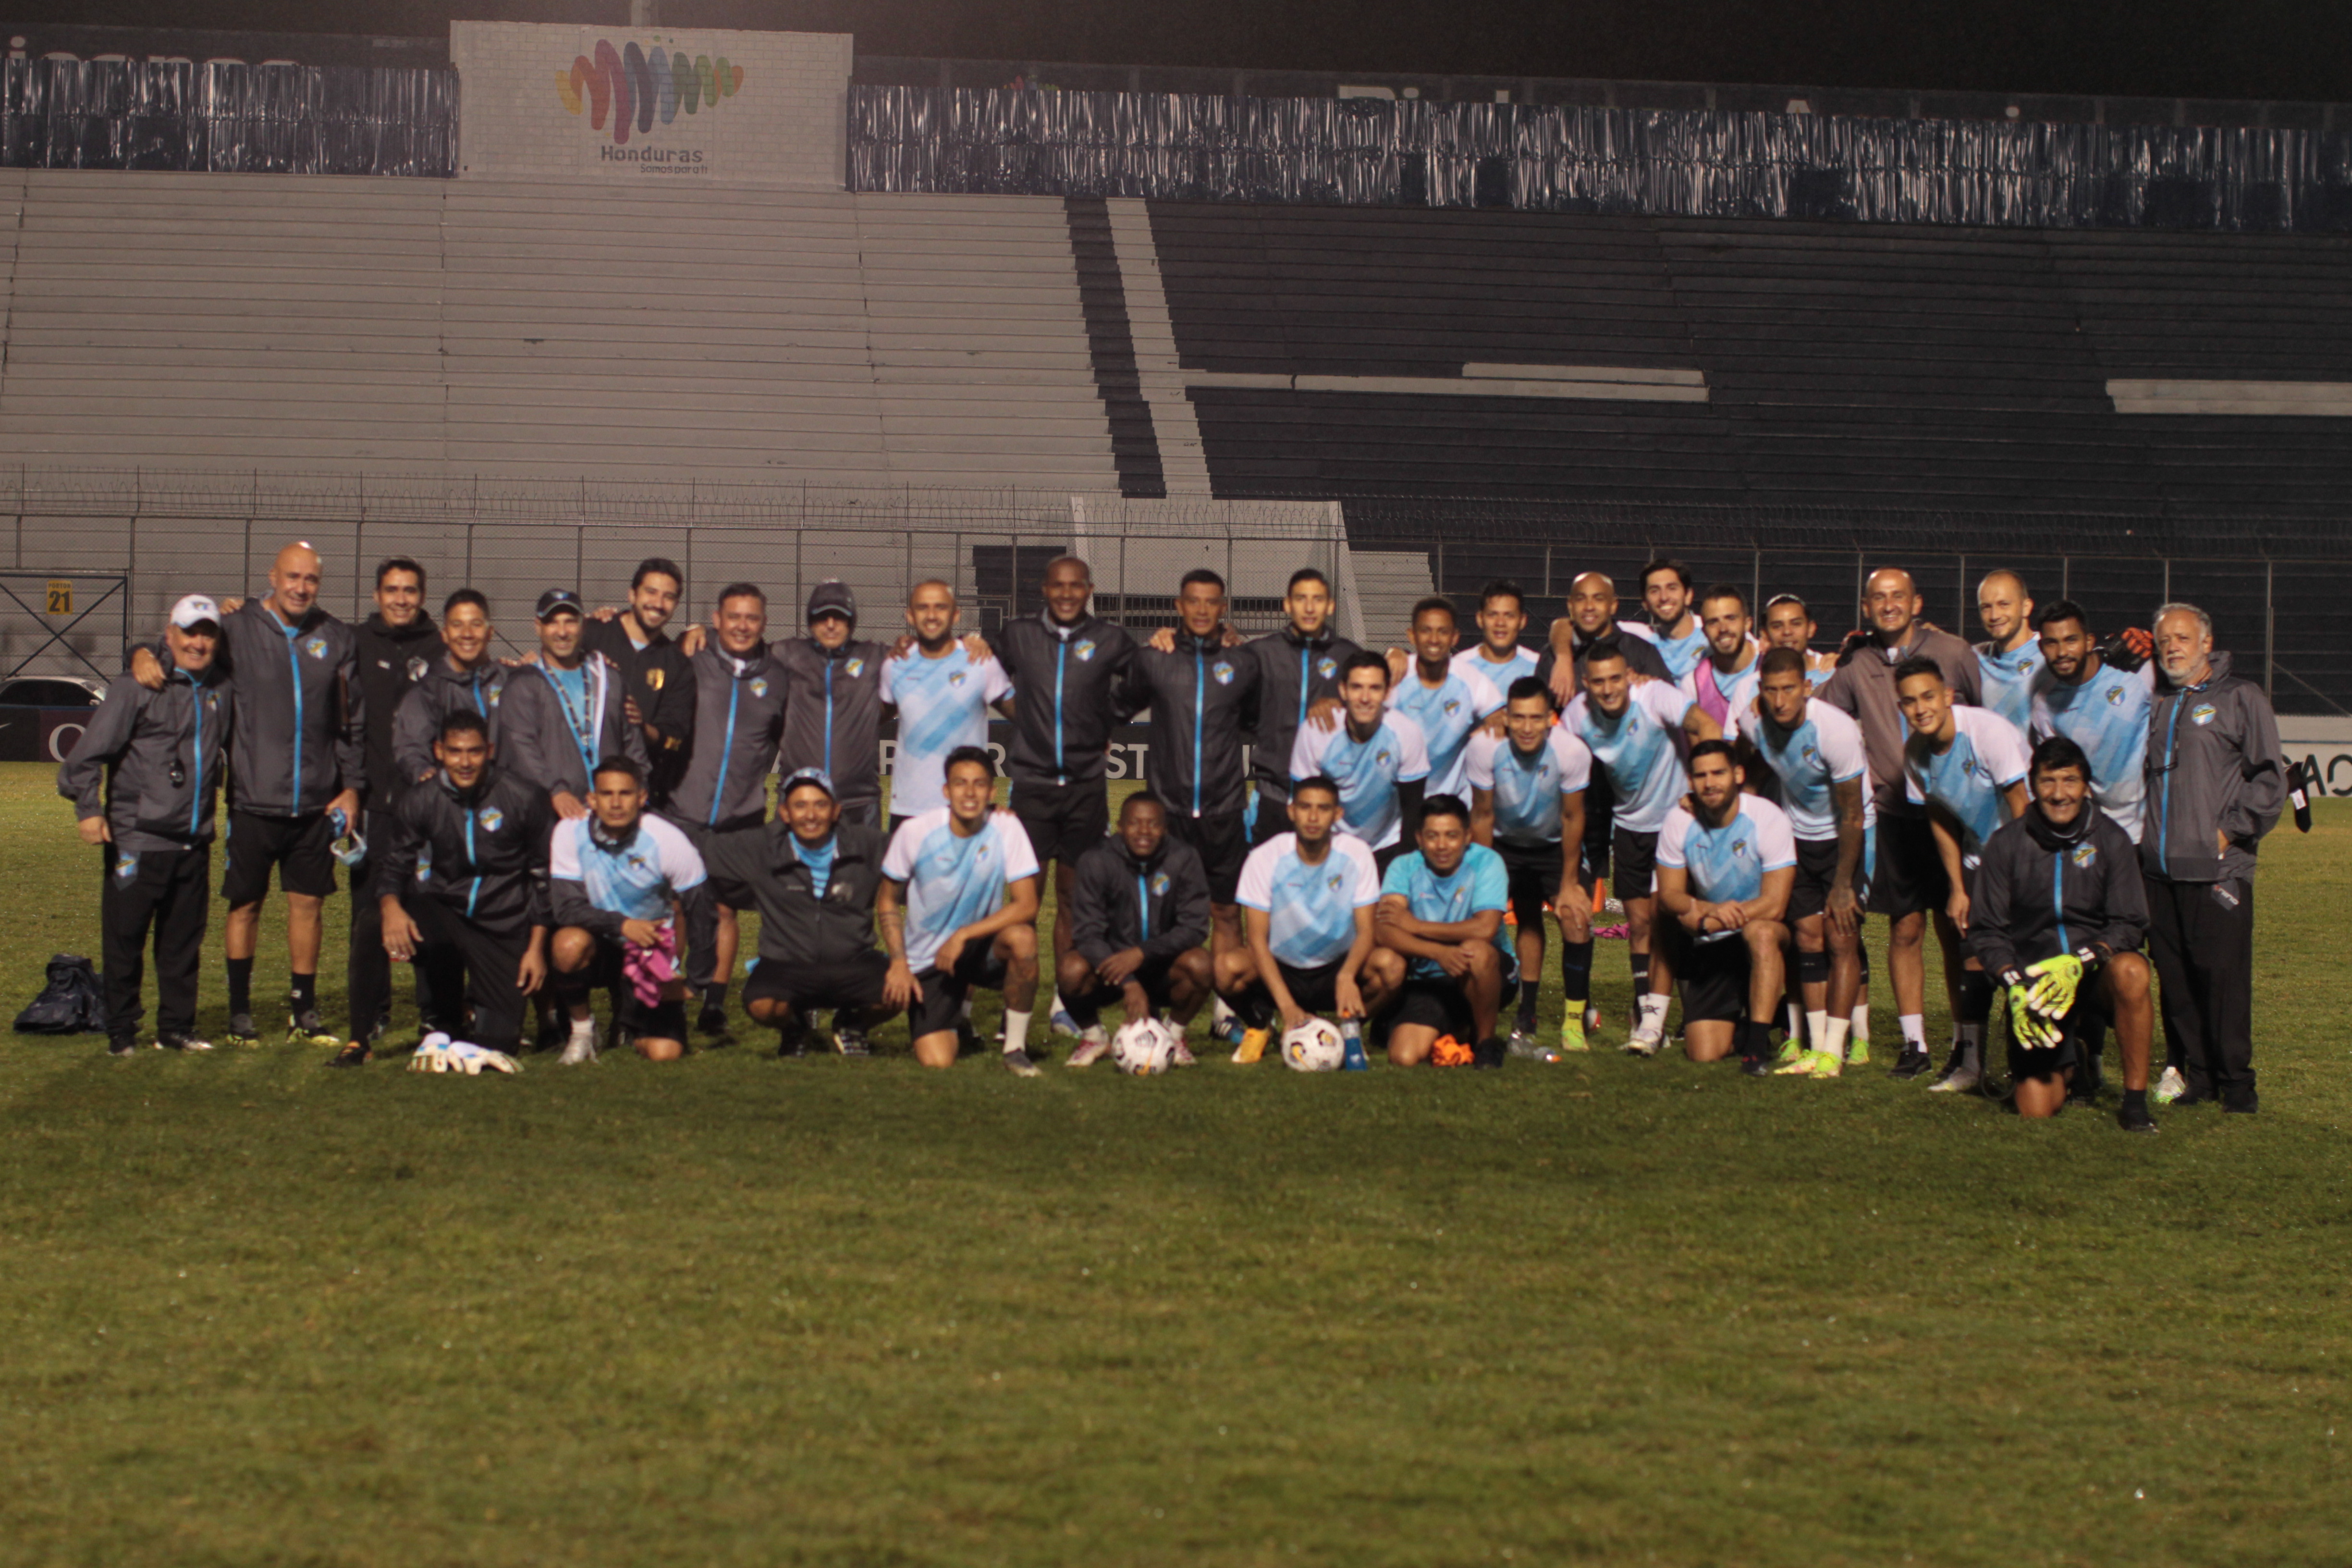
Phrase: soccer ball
{"type": "Point", "coordinates": [1143, 1048]}
{"type": "Point", "coordinates": [1313, 1047]}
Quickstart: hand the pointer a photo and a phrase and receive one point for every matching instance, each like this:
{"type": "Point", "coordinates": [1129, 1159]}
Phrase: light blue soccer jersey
{"type": "Point", "coordinates": [1446, 713]}
{"type": "Point", "coordinates": [636, 880]}
{"type": "Point", "coordinates": [1528, 787]}
{"type": "Point", "coordinates": [1310, 909]}
{"type": "Point", "coordinates": [2106, 715]}
{"type": "Point", "coordinates": [1473, 660]}
{"type": "Point", "coordinates": [1366, 771]}
{"type": "Point", "coordinates": [1477, 885]}
{"type": "Point", "coordinates": [1637, 751]}
{"type": "Point", "coordinates": [1727, 865]}
{"type": "Point", "coordinates": [952, 882]}
{"type": "Point", "coordinates": [1681, 653]}
{"type": "Point", "coordinates": [943, 704]}
{"type": "Point", "coordinates": [1987, 756]}
{"type": "Point", "coordinates": [1823, 751]}
{"type": "Point", "coordinates": [2008, 680]}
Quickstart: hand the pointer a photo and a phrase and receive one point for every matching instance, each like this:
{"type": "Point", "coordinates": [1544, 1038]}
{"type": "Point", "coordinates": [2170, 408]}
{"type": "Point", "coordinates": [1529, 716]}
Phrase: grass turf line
{"type": "Point", "coordinates": [743, 1310]}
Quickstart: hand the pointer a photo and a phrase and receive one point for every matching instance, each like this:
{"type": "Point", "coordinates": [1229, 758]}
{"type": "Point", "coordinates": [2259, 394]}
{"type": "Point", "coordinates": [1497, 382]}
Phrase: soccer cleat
{"type": "Point", "coordinates": [1755, 1066]}
{"type": "Point", "coordinates": [1093, 1045]}
{"type": "Point", "coordinates": [1914, 1062]}
{"type": "Point", "coordinates": [1182, 1054]}
{"type": "Point", "coordinates": [1252, 1046]}
{"type": "Point", "coordinates": [1640, 1045]}
{"type": "Point", "coordinates": [1523, 1043]}
{"type": "Point", "coordinates": [1801, 1066]}
{"type": "Point", "coordinates": [1572, 1035]}
{"type": "Point", "coordinates": [172, 1042]}
{"type": "Point", "coordinates": [1017, 1063]}
{"type": "Point", "coordinates": [791, 1040]}
{"type": "Point", "coordinates": [579, 1047]}
{"type": "Point", "coordinates": [712, 1019]}
{"type": "Point", "coordinates": [2134, 1118]}
{"type": "Point", "coordinates": [1857, 1053]}
{"type": "Point", "coordinates": [1793, 1050]}
{"type": "Point", "coordinates": [1228, 1031]}
{"type": "Point", "coordinates": [2170, 1087]}
{"type": "Point", "coordinates": [1960, 1075]}
{"type": "Point", "coordinates": [1826, 1065]}
{"type": "Point", "coordinates": [305, 1029]}
{"type": "Point", "coordinates": [2241, 1102]}
{"type": "Point", "coordinates": [849, 1040]}
{"type": "Point", "coordinates": [354, 1053]}
{"type": "Point", "coordinates": [121, 1048]}
{"type": "Point", "coordinates": [1489, 1054]}
{"type": "Point", "coordinates": [241, 1031]}
{"type": "Point", "coordinates": [1061, 1023]}
{"type": "Point", "coordinates": [554, 1032]}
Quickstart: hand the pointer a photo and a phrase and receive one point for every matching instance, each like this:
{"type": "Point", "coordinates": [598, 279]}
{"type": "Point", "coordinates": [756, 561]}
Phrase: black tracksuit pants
{"type": "Point", "coordinates": [491, 956]}
{"type": "Point", "coordinates": [167, 893]}
{"type": "Point", "coordinates": [368, 970]}
{"type": "Point", "coordinates": [2201, 937]}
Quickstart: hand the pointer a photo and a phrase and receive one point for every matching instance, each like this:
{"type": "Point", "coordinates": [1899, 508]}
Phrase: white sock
{"type": "Point", "coordinates": [1914, 1031]}
{"type": "Point", "coordinates": [1862, 1021]}
{"type": "Point", "coordinates": [1219, 1013]}
{"type": "Point", "coordinates": [1016, 1030]}
{"type": "Point", "coordinates": [1832, 1039]}
{"type": "Point", "coordinates": [966, 1011]}
{"type": "Point", "coordinates": [1653, 1014]}
{"type": "Point", "coordinates": [1817, 1023]}
{"type": "Point", "coordinates": [1796, 1020]}
{"type": "Point", "coordinates": [1060, 1006]}
{"type": "Point", "coordinates": [582, 1028]}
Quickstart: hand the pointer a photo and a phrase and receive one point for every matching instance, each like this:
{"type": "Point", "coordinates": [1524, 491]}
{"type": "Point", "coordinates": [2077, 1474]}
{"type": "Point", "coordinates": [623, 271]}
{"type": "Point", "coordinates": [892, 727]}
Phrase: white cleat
{"type": "Point", "coordinates": [580, 1050]}
{"type": "Point", "coordinates": [1645, 1045]}
{"type": "Point", "coordinates": [1961, 1079]}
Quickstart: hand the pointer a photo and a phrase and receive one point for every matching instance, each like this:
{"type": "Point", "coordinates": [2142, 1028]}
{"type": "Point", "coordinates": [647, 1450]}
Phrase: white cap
{"type": "Point", "coordinates": [193, 609]}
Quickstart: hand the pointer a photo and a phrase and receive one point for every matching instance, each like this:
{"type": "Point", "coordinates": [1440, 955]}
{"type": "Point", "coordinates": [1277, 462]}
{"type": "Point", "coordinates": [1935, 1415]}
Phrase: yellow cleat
{"type": "Point", "coordinates": [1799, 1066]}
{"type": "Point", "coordinates": [1571, 1033]}
{"type": "Point", "coordinates": [1252, 1046]}
{"type": "Point", "coordinates": [1827, 1066]}
{"type": "Point", "coordinates": [1857, 1053]}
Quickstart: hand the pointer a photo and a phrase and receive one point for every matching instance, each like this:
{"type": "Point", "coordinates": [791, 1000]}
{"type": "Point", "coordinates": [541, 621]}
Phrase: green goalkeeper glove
{"type": "Point", "coordinates": [2055, 981]}
{"type": "Point", "coordinates": [2026, 1027]}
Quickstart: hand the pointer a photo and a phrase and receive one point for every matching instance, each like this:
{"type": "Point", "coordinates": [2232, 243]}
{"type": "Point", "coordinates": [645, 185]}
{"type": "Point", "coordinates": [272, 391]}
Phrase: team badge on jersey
{"type": "Point", "coordinates": [2085, 853]}
{"type": "Point", "coordinates": [2114, 696]}
{"type": "Point", "coordinates": [1326, 667]}
{"type": "Point", "coordinates": [1223, 671]}
{"type": "Point", "coordinates": [1160, 885]}
{"type": "Point", "coordinates": [416, 668]}
{"type": "Point", "coordinates": [1452, 706]}
{"type": "Point", "coordinates": [1381, 756]}
{"type": "Point", "coordinates": [759, 686]}
{"type": "Point", "coordinates": [2202, 713]}
{"type": "Point", "coordinates": [955, 677]}
{"type": "Point", "coordinates": [1739, 847]}
{"type": "Point", "coordinates": [1335, 880]}
{"type": "Point", "coordinates": [316, 647]}
{"type": "Point", "coordinates": [490, 816]}
{"type": "Point", "coordinates": [636, 862]}
{"type": "Point", "coordinates": [856, 667]}
{"type": "Point", "coordinates": [1809, 753]}
{"type": "Point", "coordinates": [1085, 650]}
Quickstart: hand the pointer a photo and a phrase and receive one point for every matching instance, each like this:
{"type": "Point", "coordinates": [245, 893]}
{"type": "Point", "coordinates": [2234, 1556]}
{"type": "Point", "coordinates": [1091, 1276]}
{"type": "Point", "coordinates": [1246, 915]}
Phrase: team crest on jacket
{"type": "Point", "coordinates": [126, 866]}
{"type": "Point", "coordinates": [316, 647]}
{"type": "Point", "coordinates": [497, 693]}
{"type": "Point", "coordinates": [424, 863]}
{"type": "Point", "coordinates": [416, 668]}
{"type": "Point", "coordinates": [1223, 671]}
{"type": "Point", "coordinates": [1160, 885]}
{"type": "Point", "coordinates": [2085, 853]}
{"type": "Point", "coordinates": [1326, 667]}
{"type": "Point", "coordinates": [489, 816]}
{"type": "Point", "coordinates": [657, 678]}
{"type": "Point", "coordinates": [1085, 650]}
{"type": "Point", "coordinates": [2202, 713]}
{"type": "Point", "coordinates": [759, 686]}
{"type": "Point", "coordinates": [856, 667]}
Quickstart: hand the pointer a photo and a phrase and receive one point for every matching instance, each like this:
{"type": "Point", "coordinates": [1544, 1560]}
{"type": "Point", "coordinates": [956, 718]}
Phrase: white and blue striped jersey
{"type": "Point", "coordinates": [1528, 787]}
{"type": "Point", "coordinates": [2007, 680]}
{"type": "Point", "coordinates": [1366, 771]}
{"type": "Point", "coordinates": [1473, 660]}
{"type": "Point", "coordinates": [636, 880]}
{"type": "Point", "coordinates": [2106, 715]}
{"type": "Point", "coordinates": [952, 882]}
{"type": "Point", "coordinates": [1725, 865]}
{"type": "Point", "coordinates": [1823, 751]}
{"type": "Point", "coordinates": [1310, 909]}
{"type": "Point", "coordinates": [1447, 713]}
{"type": "Point", "coordinates": [1477, 885]}
{"type": "Point", "coordinates": [1988, 754]}
{"type": "Point", "coordinates": [943, 704]}
{"type": "Point", "coordinates": [1637, 749]}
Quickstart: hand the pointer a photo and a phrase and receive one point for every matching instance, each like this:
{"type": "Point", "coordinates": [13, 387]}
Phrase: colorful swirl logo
{"type": "Point", "coordinates": [633, 84]}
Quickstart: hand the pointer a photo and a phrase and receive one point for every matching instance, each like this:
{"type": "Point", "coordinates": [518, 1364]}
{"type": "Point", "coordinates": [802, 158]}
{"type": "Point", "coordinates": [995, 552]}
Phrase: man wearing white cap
{"type": "Point", "coordinates": [158, 756]}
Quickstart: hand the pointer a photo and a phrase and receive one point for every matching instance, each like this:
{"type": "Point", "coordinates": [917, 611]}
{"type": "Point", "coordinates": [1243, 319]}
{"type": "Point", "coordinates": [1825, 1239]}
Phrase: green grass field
{"type": "Point", "coordinates": [744, 1311]}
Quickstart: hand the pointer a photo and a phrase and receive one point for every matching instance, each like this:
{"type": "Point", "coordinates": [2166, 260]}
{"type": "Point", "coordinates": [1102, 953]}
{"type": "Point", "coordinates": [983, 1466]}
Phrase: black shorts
{"type": "Point", "coordinates": [705, 839]}
{"type": "Point", "coordinates": [1817, 861]}
{"type": "Point", "coordinates": [1317, 989]}
{"type": "Point", "coordinates": [1223, 844]}
{"type": "Point", "coordinates": [1909, 876]}
{"type": "Point", "coordinates": [664, 1020]}
{"type": "Point", "coordinates": [1534, 876]}
{"type": "Point", "coordinates": [1153, 975]}
{"type": "Point", "coordinates": [1063, 821]}
{"type": "Point", "coordinates": [300, 847]}
{"type": "Point", "coordinates": [941, 1006]}
{"type": "Point", "coordinates": [1633, 856]}
{"type": "Point", "coordinates": [803, 986]}
{"type": "Point", "coordinates": [1438, 1004]}
{"type": "Point", "coordinates": [1714, 980]}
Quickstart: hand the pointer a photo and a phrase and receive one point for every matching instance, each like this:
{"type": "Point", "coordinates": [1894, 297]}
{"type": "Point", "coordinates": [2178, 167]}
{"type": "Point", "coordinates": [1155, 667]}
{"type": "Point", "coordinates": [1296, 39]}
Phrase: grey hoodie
{"type": "Point", "coordinates": [2214, 765]}
{"type": "Point", "coordinates": [739, 715]}
{"type": "Point", "coordinates": [301, 724]}
{"type": "Point", "coordinates": [439, 692]}
{"type": "Point", "coordinates": [131, 746]}
{"type": "Point", "coordinates": [537, 743]}
{"type": "Point", "coordinates": [832, 714]}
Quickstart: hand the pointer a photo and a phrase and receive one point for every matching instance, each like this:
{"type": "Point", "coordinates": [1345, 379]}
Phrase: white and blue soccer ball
{"type": "Point", "coordinates": [1143, 1048]}
{"type": "Point", "coordinates": [1314, 1046]}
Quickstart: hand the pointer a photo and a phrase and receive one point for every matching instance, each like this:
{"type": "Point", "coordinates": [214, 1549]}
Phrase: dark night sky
{"type": "Point", "coordinates": [2195, 49]}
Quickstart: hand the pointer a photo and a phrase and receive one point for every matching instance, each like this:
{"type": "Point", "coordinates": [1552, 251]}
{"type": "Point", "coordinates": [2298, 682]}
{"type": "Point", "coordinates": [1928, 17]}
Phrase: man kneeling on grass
{"type": "Point", "coordinates": [1726, 863]}
{"type": "Point", "coordinates": [813, 878]}
{"type": "Point", "coordinates": [2058, 913]}
{"type": "Point", "coordinates": [467, 873]}
{"type": "Point", "coordinates": [1139, 914]}
{"type": "Point", "coordinates": [614, 876]}
{"type": "Point", "coordinates": [1307, 897]}
{"type": "Point", "coordinates": [959, 914]}
{"type": "Point", "coordinates": [1440, 928]}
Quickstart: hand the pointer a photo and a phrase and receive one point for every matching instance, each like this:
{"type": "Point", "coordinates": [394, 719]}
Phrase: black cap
{"type": "Point", "coordinates": [833, 597]}
{"type": "Point", "coordinates": [556, 599]}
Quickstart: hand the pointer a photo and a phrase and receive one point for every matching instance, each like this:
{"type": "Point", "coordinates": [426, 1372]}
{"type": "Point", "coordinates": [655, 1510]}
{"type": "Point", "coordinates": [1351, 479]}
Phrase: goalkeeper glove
{"type": "Point", "coordinates": [2026, 1027]}
{"type": "Point", "coordinates": [2055, 981]}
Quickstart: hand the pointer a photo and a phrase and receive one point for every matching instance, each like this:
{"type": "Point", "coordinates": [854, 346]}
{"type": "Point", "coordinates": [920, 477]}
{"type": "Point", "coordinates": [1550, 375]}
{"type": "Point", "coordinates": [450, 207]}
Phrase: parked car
{"type": "Point", "coordinates": [52, 692]}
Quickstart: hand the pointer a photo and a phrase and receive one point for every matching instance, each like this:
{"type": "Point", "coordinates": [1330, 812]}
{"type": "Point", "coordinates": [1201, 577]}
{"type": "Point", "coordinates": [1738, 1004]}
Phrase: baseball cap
{"type": "Point", "coordinates": [800, 777]}
{"type": "Point", "coordinates": [833, 597]}
{"type": "Point", "coordinates": [556, 599]}
{"type": "Point", "coordinates": [194, 610]}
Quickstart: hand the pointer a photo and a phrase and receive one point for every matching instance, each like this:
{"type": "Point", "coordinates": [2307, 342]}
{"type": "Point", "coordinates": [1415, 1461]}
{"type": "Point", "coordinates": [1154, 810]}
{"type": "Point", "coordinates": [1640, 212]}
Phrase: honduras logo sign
{"type": "Point", "coordinates": [633, 87]}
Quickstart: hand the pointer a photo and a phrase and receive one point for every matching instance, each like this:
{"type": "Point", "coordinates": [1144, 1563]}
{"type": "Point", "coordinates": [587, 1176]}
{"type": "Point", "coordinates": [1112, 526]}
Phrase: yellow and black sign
{"type": "Point", "coordinates": [60, 597]}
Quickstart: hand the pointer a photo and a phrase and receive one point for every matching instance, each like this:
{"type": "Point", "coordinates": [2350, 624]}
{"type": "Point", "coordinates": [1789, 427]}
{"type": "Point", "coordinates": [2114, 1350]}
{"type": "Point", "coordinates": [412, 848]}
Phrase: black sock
{"type": "Point", "coordinates": [1640, 963]}
{"type": "Point", "coordinates": [305, 989]}
{"type": "Point", "coordinates": [1756, 1039]}
{"type": "Point", "coordinates": [240, 985]}
{"type": "Point", "coordinates": [1529, 991]}
{"type": "Point", "coordinates": [715, 994]}
{"type": "Point", "coordinates": [2137, 1098]}
{"type": "Point", "coordinates": [1576, 969]}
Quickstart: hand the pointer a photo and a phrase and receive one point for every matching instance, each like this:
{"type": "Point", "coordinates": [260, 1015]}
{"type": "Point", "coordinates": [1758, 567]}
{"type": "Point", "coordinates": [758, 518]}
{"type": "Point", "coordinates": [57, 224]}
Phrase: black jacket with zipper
{"type": "Point", "coordinates": [391, 661]}
{"type": "Point", "coordinates": [1159, 904]}
{"type": "Point", "coordinates": [480, 853]}
{"type": "Point", "coordinates": [2042, 890]}
{"type": "Point", "coordinates": [798, 930]}
{"type": "Point", "coordinates": [1204, 700]}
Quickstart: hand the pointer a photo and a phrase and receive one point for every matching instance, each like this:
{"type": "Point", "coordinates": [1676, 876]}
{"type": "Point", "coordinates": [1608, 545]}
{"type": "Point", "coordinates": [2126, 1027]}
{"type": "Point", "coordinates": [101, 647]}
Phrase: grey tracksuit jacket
{"type": "Point", "coordinates": [441, 691]}
{"type": "Point", "coordinates": [133, 745]}
{"type": "Point", "coordinates": [832, 714]}
{"type": "Point", "coordinates": [2214, 766]}
{"type": "Point", "coordinates": [739, 715]}
{"type": "Point", "coordinates": [301, 735]}
{"type": "Point", "coordinates": [537, 743]}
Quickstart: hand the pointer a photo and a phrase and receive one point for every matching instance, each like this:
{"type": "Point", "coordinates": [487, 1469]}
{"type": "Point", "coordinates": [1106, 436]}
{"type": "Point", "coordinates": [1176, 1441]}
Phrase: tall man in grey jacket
{"type": "Point", "coordinates": [563, 715]}
{"type": "Point", "coordinates": [159, 756]}
{"type": "Point", "coordinates": [2216, 784]}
